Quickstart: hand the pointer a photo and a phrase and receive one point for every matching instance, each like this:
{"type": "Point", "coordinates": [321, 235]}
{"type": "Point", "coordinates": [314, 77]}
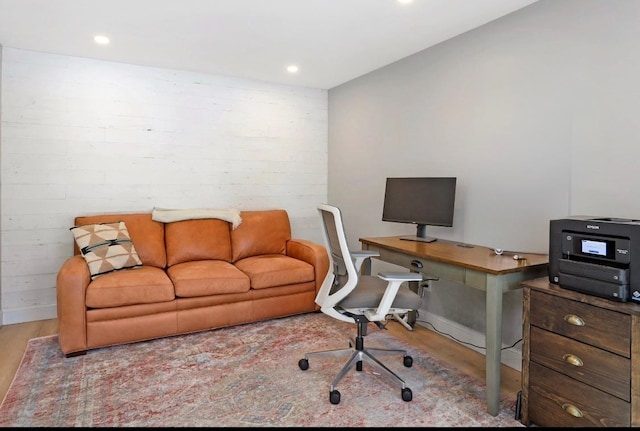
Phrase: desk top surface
{"type": "Point", "coordinates": [470, 256]}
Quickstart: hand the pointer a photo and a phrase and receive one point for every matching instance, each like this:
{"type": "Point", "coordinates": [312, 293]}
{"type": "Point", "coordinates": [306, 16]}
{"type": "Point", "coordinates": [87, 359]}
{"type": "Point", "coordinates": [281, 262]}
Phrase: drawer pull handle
{"type": "Point", "coordinates": [572, 319]}
{"type": "Point", "coordinates": [572, 410]}
{"type": "Point", "coordinates": [572, 359]}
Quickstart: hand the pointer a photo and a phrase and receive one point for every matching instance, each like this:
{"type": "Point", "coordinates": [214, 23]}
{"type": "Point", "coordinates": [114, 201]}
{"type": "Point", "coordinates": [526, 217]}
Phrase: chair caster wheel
{"type": "Point", "coordinates": [407, 361]}
{"type": "Point", "coordinates": [407, 395]}
{"type": "Point", "coordinates": [303, 364]}
{"type": "Point", "coordinates": [334, 397]}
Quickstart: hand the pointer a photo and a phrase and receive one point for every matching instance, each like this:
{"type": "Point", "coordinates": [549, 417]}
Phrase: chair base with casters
{"type": "Point", "coordinates": [358, 355]}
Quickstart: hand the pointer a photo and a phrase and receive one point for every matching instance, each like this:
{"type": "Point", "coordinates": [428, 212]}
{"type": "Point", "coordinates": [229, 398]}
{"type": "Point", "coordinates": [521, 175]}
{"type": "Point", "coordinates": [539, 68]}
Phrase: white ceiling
{"type": "Point", "coordinates": [332, 41]}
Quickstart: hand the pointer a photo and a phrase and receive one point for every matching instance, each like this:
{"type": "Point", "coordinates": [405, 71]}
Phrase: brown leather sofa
{"type": "Point", "coordinates": [196, 275]}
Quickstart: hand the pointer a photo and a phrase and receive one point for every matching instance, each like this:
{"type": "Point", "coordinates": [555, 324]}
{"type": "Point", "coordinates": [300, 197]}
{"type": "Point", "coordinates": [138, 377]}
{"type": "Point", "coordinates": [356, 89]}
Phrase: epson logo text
{"type": "Point", "coordinates": [593, 226]}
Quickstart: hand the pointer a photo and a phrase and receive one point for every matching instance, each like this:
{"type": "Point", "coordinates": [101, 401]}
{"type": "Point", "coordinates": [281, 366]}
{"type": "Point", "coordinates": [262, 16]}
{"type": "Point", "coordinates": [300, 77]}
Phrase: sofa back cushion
{"type": "Point", "coordinates": [146, 235]}
{"type": "Point", "coordinates": [261, 232]}
{"type": "Point", "coordinates": [200, 239]}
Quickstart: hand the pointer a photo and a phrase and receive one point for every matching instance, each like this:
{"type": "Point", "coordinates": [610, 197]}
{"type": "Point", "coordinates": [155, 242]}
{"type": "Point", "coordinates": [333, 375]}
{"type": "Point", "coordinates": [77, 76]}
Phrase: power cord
{"type": "Point", "coordinates": [464, 342]}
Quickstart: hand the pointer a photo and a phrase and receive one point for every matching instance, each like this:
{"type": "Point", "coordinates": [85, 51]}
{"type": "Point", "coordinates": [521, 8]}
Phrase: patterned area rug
{"type": "Point", "coordinates": [244, 376]}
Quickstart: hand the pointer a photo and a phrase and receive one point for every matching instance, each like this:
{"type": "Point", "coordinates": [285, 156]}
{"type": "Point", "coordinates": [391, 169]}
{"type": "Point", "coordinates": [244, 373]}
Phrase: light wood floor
{"type": "Point", "coordinates": [13, 339]}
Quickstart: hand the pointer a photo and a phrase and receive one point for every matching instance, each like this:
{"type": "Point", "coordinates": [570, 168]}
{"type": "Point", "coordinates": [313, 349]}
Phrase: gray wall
{"type": "Point", "coordinates": [535, 113]}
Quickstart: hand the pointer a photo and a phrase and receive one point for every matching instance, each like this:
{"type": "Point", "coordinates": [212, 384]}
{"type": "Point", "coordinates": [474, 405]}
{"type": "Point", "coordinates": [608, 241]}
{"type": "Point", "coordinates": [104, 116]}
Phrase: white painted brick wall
{"type": "Point", "coordinates": [81, 136]}
{"type": "Point", "coordinates": [1, 313]}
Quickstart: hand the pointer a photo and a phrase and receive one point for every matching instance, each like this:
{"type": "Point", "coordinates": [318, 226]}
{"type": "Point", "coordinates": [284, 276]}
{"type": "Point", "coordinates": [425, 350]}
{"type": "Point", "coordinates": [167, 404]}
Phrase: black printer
{"type": "Point", "coordinates": [596, 255]}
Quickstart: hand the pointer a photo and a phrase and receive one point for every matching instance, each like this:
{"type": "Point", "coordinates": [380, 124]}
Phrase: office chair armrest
{"type": "Point", "coordinates": [381, 311]}
{"type": "Point", "coordinates": [424, 279]}
{"type": "Point", "coordinates": [395, 280]}
{"type": "Point", "coordinates": [360, 256]}
{"type": "Point", "coordinates": [403, 276]}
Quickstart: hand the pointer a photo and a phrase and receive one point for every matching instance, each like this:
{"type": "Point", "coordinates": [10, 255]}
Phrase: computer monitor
{"type": "Point", "coordinates": [424, 201]}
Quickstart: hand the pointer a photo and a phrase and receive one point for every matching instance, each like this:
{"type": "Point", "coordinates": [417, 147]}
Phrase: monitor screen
{"type": "Point", "coordinates": [424, 201]}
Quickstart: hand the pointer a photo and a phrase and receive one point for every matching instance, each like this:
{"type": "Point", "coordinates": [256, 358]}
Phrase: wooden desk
{"type": "Point", "coordinates": [477, 267]}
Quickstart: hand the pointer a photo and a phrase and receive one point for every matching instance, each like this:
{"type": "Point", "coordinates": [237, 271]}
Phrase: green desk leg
{"type": "Point", "coordinates": [494, 343]}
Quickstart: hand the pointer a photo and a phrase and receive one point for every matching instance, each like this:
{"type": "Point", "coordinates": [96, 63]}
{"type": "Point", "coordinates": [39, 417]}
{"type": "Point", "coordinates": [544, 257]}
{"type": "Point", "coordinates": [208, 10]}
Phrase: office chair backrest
{"type": "Point", "coordinates": [342, 277]}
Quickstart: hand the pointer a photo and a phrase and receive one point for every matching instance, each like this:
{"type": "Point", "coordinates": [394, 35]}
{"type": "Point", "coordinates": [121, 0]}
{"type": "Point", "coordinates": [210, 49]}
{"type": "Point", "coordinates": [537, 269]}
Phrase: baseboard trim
{"type": "Point", "coordinates": [23, 315]}
{"type": "Point", "coordinates": [510, 357]}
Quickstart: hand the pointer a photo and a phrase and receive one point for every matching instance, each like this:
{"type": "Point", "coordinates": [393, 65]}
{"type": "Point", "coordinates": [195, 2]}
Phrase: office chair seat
{"type": "Point", "coordinates": [369, 291]}
{"type": "Point", "coordinates": [348, 296]}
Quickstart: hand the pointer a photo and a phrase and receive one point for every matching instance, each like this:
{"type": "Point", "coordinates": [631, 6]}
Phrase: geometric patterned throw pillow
{"type": "Point", "coordinates": [106, 247]}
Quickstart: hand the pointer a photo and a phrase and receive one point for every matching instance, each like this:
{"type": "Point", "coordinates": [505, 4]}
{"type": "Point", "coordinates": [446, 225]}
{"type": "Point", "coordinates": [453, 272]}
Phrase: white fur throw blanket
{"type": "Point", "coordinates": [164, 215]}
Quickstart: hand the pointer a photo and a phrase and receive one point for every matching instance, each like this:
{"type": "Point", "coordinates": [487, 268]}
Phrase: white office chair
{"type": "Point", "coordinates": [348, 296]}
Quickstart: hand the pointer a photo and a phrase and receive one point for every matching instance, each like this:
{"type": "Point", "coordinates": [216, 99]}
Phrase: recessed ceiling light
{"type": "Point", "coordinates": [405, 1]}
{"type": "Point", "coordinates": [101, 40]}
{"type": "Point", "coordinates": [292, 68]}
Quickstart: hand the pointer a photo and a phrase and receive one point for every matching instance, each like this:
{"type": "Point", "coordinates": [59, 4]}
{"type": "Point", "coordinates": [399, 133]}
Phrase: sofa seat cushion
{"type": "Point", "coordinates": [143, 285]}
{"type": "Point", "coordinates": [275, 270]}
{"type": "Point", "coordinates": [207, 277]}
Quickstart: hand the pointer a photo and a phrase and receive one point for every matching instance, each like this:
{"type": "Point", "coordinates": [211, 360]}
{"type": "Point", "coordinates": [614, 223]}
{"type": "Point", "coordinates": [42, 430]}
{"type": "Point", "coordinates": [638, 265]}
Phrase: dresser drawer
{"type": "Point", "coordinates": [595, 367]}
{"type": "Point", "coordinates": [556, 400]}
{"type": "Point", "coordinates": [598, 327]}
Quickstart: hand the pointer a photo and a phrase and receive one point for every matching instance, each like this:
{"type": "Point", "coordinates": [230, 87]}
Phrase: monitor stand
{"type": "Point", "coordinates": [421, 235]}
{"type": "Point", "coordinates": [419, 239]}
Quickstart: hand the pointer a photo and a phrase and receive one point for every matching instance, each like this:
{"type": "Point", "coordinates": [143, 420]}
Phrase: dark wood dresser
{"type": "Point", "coordinates": [580, 359]}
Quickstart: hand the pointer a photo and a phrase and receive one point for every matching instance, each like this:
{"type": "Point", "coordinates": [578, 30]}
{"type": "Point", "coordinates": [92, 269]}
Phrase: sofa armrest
{"type": "Point", "coordinates": [312, 253]}
{"type": "Point", "coordinates": [71, 285]}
